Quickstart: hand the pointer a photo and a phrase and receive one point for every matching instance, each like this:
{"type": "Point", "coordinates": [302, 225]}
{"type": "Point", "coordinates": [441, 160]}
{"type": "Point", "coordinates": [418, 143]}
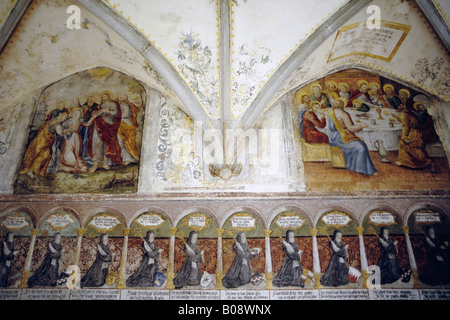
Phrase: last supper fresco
{"type": "Point", "coordinates": [370, 132]}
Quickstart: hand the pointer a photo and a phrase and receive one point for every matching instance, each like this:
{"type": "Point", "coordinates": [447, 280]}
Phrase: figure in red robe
{"type": "Point", "coordinates": [309, 122]}
{"type": "Point", "coordinates": [103, 146]}
{"type": "Point", "coordinates": [361, 94]}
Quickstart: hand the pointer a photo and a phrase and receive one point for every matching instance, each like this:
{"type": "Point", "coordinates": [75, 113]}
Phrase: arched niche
{"type": "Point", "coordinates": [18, 221]}
{"type": "Point", "coordinates": [58, 221]}
{"type": "Point", "coordinates": [109, 223]}
{"type": "Point", "coordinates": [336, 219]}
{"type": "Point", "coordinates": [373, 222]}
{"type": "Point", "coordinates": [59, 155]}
{"type": "Point", "coordinates": [62, 220]}
{"type": "Point", "coordinates": [205, 226]}
{"type": "Point", "coordinates": [150, 221]}
{"type": "Point", "coordinates": [145, 223]}
{"type": "Point", "coordinates": [375, 219]}
{"type": "Point", "coordinates": [329, 222]}
{"type": "Point", "coordinates": [20, 224]}
{"type": "Point", "coordinates": [104, 222]}
{"type": "Point", "coordinates": [419, 221]}
{"type": "Point", "coordinates": [290, 220]}
{"type": "Point", "coordinates": [301, 226]}
{"type": "Point", "coordinates": [247, 222]}
{"type": "Point", "coordinates": [429, 216]}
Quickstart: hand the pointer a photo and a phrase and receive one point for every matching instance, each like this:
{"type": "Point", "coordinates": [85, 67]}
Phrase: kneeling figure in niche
{"type": "Point", "coordinates": [291, 271]}
{"type": "Point", "coordinates": [240, 272]}
{"type": "Point", "coordinates": [98, 272]}
{"type": "Point", "coordinates": [190, 273]}
{"type": "Point", "coordinates": [145, 275]}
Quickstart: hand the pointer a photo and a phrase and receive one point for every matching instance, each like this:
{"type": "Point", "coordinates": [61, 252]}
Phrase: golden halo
{"type": "Point", "coordinates": [361, 82]}
{"type": "Point", "coordinates": [374, 84]}
{"type": "Point", "coordinates": [106, 92]}
{"type": "Point", "coordinates": [388, 86]}
{"type": "Point", "coordinates": [406, 91]}
{"type": "Point", "coordinates": [344, 84]}
{"type": "Point", "coordinates": [332, 82]}
{"type": "Point", "coordinates": [343, 100]}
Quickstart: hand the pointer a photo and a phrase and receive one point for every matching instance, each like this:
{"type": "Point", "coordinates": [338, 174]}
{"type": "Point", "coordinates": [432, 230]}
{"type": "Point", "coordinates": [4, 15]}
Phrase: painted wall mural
{"type": "Point", "coordinates": [291, 251]}
{"type": "Point", "coordinates": [55, 248]}
{"type": "Point", "coordinates": [176, 161]}
{"type": "Point", "coordinates": [85, 136]}
{"type": "Point", "coordinates": [392, 49]}
{"type": "Point", "coordinates": [247, 73]}
{"type": "Point", "coordinates": [378, 130]}
{"type": "Point", "coordinates": [105, 192]}
{"type": "Point", "coordinates": [148, 251]}
{"type": "Point", "coordinates": [196, 65]}
{"type": "Point", "coordinates": [336, 252]}
{"type": "Point", "coordinates": [195, 255]}
{"type": "Point", "coordinates": [190, 44]}
{"type": "Point", "coordinates": [27, 63]}
{"type": "Point", "coordinates": [433, 73]}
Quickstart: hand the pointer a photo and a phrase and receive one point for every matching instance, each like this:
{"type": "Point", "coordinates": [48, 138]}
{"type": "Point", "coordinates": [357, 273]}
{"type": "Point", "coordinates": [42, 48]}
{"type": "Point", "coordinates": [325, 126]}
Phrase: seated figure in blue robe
{"type": "Point", "coordinates": [356, 152]}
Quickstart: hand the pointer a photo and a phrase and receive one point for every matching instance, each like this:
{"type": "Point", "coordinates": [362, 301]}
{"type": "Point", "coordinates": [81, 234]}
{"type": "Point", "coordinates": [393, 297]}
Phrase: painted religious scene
{"type": "Point", "coordinates": [85, 136]}
{"type": "Point", "coordinates": [369, 132]}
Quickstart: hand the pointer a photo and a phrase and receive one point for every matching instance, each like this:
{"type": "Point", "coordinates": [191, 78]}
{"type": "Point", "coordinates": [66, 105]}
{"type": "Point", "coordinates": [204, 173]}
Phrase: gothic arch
{"type": "Point", "coordinates": [329, 208]}
{"type": "Point", "coordinates": [152, 209]}
{"type": "Point", "coordinates": [247, 209]}
{"type": "Point", "coordinates": [424, 205]}
{"type": "Point", "coordinates": [298, 57]}
{"type": "Point", "coordinates": [21, 208]}
{"type": "Point", "coordinates": [197, 209]}
{"type": "Point", "coordinates": [105, 209]}
{"type": "Point", "coordinates": [289, 207]}
{"type": "Point", "coordinates": [54, 210]}
{"type": "Point", "coordinates": [382, 206]}
{"type": "Point", "coordinates": [152, 54]}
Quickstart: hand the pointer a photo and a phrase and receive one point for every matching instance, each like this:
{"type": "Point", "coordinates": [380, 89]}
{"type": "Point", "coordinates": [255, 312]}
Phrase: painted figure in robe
{"type": "Point", "coordinates": [240, 272]}
{"type": "Point", "coordinates": [47, 274]}
{"type": "Point", "coordinates": [145, 274]}
{"type": "Point", "coordinates": [309, 122]}
{"type": "Point", "coordinates": [190, 273]}
{"type": "Point", "coordinates": [356, 152]}
{"type": "Point", "coordinates": [128, 130]}
{"type": "Point", "coordinates": [411, 150]}
{"type": "Point", "coordinates": [291, 270]}
{"type": "Point", "coordinates": [7, 256]}
{"type": "Point", "coordinates": [97, 273]}
{"type": "Point", "coordinates": [320, 96]}
{"type": "Point", "coordinates": [103, 145]}
{"type": "Point", "coordinates": [437, 270]}
{"type": "Point", "coordinates": [39, 153]}
{"type": "Point", "coordinates": [337, 272]}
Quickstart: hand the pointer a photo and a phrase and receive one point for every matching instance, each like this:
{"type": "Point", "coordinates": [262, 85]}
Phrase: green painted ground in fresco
{"type": "Point", "coordinates": [117, 180]}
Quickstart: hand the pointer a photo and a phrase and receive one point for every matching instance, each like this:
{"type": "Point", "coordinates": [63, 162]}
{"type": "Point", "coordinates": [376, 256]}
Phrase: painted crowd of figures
{"type": "Point", "coordinates": [417, 124]}
{"type": "Point", "coordinates": [240, 273]}
{"type": "Point", "coordinates": [83, 138]}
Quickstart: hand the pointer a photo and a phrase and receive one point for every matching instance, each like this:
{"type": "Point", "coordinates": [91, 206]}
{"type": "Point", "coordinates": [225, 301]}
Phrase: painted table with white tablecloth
{"type": "Point", "coordinates": [388, 129]}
